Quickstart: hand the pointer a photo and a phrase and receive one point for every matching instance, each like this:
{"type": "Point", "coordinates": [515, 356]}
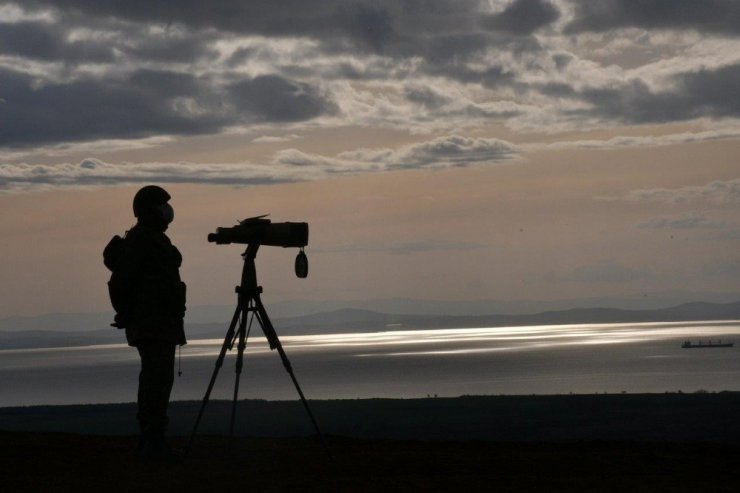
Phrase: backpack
{"type": "Point", "coordinates": [120, 295]}
{"type": "Point", "coordinates": [113, 252]}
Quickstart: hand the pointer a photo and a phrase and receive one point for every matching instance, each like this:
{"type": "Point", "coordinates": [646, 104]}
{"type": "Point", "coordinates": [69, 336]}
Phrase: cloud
{"type": "Point", "coordinates": [288, 166]}
{"type": "Point", "coordinates": [704, 93]}
{"type": "Point", "coordinates": [632, 141]}
{"type": "Point", "coordinates": [91, 148]}
{"type": "Point", "coordinates": [453, 151]}
{"type": "Point", "coordinates": [80, 71]}
{"type": "Point", "coordinates": [140, 105]}
{"type": "Point", "coordinates": [75, 40]}
{"type": "Point", "coordinates": [523, 17]}
{"type": "Point", "coordinates": [381, 26]}
{"type": "Point", "coordinates": [276, 138]}
{"type": "Point", "coordinates": [682, 221]}
{"type": "Point", "coordinates": [146, 103]}
{"type": "Point", "coordinates": [426, 96]}
{"type": "Point", "coordinates": [442, 152]}
{"type": "Point", "coordinates": [443, 34]}
{"type": "Point", "coordinates": [168, 46]}
{"type": "Point", "coordinates": [721, 16]}
{"type": "Point", "coordinates": [95, 173]}
{"type": "Point", "coordinates": [47, 41]}
{"type": "Point", "coordinates": [718, 192]}
{"type": "Point", "coordinates": [272, 98]}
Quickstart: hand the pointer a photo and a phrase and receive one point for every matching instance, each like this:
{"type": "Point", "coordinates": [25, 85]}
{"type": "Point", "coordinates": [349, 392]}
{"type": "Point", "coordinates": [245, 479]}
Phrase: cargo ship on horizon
{"type": "Point", "coordinates": [690, 345]}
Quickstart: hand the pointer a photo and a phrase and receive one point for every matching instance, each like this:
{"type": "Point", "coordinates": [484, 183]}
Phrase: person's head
{"type": "Point", "coordinates": [152, 209]}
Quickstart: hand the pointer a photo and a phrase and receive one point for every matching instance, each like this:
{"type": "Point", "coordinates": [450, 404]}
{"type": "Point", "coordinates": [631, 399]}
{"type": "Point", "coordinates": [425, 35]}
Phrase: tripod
{"type": "Point", "coordinates": [248, 300]}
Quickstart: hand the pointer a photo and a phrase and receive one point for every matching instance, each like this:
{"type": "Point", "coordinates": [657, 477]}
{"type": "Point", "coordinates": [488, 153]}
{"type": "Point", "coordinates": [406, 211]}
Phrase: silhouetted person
{"type": "Point", "coordinates": [149, 299]}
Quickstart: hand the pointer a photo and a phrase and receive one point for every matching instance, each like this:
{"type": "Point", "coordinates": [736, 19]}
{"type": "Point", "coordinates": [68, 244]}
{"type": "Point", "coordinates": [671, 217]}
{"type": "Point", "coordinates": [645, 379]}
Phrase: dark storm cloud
{"type": "Point", "coordinates": [713, 92]}
{"type": "Point", "coordinates": [105, 42]}
{"type": "Point", "coordinates": [212, 65]}
{"type": "Point", "coordinates": [170, 47]}
{"type": "Point", "coordinates": [84, 110]}
{"type": "Point", "coordinates": [523, 17]}
{"type": "Point", "coordinates": [719, 16]}
{"type": "Point", "coordinates": [274, 99]}
{"type": "Point", "coordinates": [122, 37]}
{"type": "Point", "coordinates": [705, 93]}
{"type": "Point", "coordinates": [443, 49]}
{"type": "Point", "coordinates": [427, 28]}
{"type": "Point", "coordinates": [425, 96]}
{"type": "Point", "coordinates": [636, 103]}
{"type": "Point", "coordinates": [491, 77]}
{"type": "Point", "coordinates": [369, 23]}
{"type": "Point", "coordinates": [143, 104]}
{"type": "Point", "coordinates": [45, 41]}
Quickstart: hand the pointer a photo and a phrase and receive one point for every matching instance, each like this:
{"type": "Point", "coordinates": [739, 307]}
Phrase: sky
{"type": "Point", "coordinates": [518, 152]}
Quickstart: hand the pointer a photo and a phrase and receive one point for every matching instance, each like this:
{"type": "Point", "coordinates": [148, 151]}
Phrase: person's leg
{"type": "Point", "coordinates": [155, 385]}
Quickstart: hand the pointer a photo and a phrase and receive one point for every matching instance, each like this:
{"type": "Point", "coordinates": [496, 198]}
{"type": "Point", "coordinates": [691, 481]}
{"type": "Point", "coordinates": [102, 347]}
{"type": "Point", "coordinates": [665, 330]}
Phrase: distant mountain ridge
{"type": "Point", "coordinates": [373, 321]}
{"type": "Point", "coordinates": [356, 320]}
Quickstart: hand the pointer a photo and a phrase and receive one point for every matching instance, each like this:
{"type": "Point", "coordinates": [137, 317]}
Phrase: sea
{"type": "Point", "coordinates": [397, 363]}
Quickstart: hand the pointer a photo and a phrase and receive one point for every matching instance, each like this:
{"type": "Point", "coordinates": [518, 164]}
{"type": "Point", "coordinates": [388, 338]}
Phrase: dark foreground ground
{"type": "Point", "coordinates": [71, 462]}
{"type": "Point", "coordinates": [652, 442]}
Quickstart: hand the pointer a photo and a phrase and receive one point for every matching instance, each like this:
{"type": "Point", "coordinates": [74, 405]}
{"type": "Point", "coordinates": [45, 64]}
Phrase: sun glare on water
{"type": "Point", "coordinates": [486, 339]}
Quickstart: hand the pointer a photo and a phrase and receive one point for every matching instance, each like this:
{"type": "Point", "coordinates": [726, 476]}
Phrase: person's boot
{"type": "Point", "coordinates": [141, 445]}
{"type": "Point", "coordinates": [153, 446]}
{"type": "Point", "coordinates": [159, 449]}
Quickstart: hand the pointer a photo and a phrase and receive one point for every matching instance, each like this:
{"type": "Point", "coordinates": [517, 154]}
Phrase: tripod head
{"type": "Point", "coordinates": [257, 231]}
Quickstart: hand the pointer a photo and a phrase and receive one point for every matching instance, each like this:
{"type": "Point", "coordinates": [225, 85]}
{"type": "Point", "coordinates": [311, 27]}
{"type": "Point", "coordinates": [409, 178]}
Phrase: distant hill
{"type": "Point", "coordinates": [353, 320]}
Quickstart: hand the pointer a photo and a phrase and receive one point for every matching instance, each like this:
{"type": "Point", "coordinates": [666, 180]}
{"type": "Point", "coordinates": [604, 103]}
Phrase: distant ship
{"type": "Point", "coordinates": [690, 345]}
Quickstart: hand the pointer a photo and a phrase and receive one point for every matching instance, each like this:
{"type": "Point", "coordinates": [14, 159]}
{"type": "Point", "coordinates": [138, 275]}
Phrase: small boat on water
{"type": "Point", "coordinates": [700, 344]}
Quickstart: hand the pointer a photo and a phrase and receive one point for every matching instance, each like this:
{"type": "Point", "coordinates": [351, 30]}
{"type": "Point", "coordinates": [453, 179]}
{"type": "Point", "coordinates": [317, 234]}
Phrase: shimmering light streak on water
{"type": "Point", "coordinates": [482, 340]}
{"type": "Point", "coordinates": [551, 359]}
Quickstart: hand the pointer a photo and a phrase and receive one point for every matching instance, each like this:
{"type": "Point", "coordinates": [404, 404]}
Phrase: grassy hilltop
{"type": "Point", "coordinates": [654, 442]}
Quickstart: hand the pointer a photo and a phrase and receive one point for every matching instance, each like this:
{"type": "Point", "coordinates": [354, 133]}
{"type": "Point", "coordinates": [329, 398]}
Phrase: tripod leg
{"type": "Point", "coordinates": [219, 362]}
{"type": "Point", "coordinates": [272, 338]}
{"type": "Point", "coordinates": [239, 364]}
